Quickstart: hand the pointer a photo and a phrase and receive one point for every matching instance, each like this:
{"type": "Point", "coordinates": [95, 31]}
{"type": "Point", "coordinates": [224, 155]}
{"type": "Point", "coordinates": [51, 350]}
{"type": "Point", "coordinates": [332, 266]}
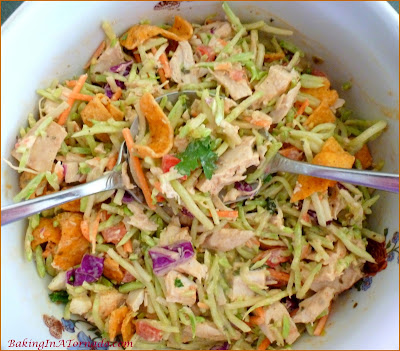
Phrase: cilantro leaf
{"type": "Point", "coordinates": [178, 283]}
{"type": "Point", "coordinates": [271, 205]}
{"type": "Point", "coordinates": [198, 152]}
{"type": "Point", "coordinates": [59, 296]}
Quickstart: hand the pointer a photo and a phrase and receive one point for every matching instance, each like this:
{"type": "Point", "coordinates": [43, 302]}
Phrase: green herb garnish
{"type": "Point", "coordinates": [198, 152]}
{"type": "Point", "coordinates": [59, 296]}
{"type": "Point", "coordinates": [178, 283]}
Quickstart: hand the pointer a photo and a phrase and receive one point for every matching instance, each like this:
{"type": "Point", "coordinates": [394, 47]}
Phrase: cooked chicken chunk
{"type": "Point", "coordinates": [241, 290]}
{"type": "Point", "coordinates": [275, 314]}
{"type": "Point", "coordinates": [112, 56]}
{"type": "Point", "coordinates": [180, 289]}
{"type": "Point", "coordinates": [218, 29]}
{"type": "Point", "coordinates": [234, 81]}
{"type": "Point", "coordinates": [181, 65]}
{"type": "Point", "coordinates": [135, 299]}
{"type": "Point", "coordinates": [276, 83]}
{"type": "Point", "coordinates": [193, 268]}
{"type": "Point", "coordinates": [173, 233]}
{"type": "Point", "coordinates": [284, 104]}
{"type": "Point", "coordinates": [227, 239]}
{"type": "Point", "coordinates": [139, 218]}
{"type": "Point", "coordinates": [110, 300]}
{"type": "Point", "coordinates": [312, 307]}
{"type": "Point", "coordinates": [206, 330]}
{"type": "Point", "coordinates": [43, 148]}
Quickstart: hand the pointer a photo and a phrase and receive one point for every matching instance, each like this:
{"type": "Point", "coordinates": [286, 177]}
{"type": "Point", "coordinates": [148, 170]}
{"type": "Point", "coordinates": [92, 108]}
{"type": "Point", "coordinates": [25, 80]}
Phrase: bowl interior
{"type": "Point", "coordinates": [357, 41]}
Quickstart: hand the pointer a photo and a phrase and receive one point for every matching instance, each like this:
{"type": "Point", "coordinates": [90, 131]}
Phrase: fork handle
{"type": "Point", "coordinates": [376, 180]}
{"type": "Point", "coordinates": [28, 208]}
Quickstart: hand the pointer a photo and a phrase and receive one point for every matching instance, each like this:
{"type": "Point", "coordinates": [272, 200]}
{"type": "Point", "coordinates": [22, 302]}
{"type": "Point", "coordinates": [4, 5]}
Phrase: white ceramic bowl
{"type": "Point", "coordinates": [358, 40]}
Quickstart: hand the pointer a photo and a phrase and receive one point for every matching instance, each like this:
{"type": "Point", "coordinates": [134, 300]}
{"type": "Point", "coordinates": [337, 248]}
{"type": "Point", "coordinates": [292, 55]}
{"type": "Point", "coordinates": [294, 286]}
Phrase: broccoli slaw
{"type": "Point", "coordinates": [193, 266]}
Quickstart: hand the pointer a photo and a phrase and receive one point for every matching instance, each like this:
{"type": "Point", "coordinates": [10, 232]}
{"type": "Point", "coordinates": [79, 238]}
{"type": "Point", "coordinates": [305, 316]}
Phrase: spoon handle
{"type": "Point", "coordinates": [27, 208]}
{"type": "Point", "coordinates": [376, 180]}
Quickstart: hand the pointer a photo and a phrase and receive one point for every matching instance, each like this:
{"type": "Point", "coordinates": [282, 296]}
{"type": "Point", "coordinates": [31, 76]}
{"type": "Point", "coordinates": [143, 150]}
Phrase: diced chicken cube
{"type": "Point", "coordinates": [234, 81]}
{"type": "Point", "coordinates": [284, 104]}
{"type": "Point", "coordinates": [80, 304]}
{"type": "Point", "coordinates": [173, 233]}
{"type": "Point", "coordinates": [231, 166]}
{"type": "Point", "coordinates": [180, 289]}
{"type": "Point", "coordinates": [44, 148]}
{"type": "Point", "coordinates": [276, 83]}
{"type": "Point", "coordinates": [135, 299]}
{"type": "Point", "coordinates": [112, 56]}
{"type": "Point", "coordinates": [71, 172]}
{"type": "Point", "coordinates": [275, 314]}
{"type": "Point", "coordinates": [218, 29]}
{"type": "Point", "coordinates": [139, 218]}
{"type": "Point", "coordinates": [58, 282]}
{"type": "Point", "coordinates": [182, 63]}
{"type": "Point", "coordinates": [110, 300]}
{"type": "Point", "coordinates": [241, 290]}
{"type": "Point", "coordinates": [312, 307]}
{"type": "Point", "coordinates": [227, 239]}
{"type": "Point", "coordinates": [345, 281]}
{"type": "Point", "coordinates": [193, 268]}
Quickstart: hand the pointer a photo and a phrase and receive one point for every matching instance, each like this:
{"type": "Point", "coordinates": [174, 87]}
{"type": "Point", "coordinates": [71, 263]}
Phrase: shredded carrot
{"type": "Point", "coordinates": [70, 83]}
{"type": "Point", "coordinates": [227, 214]}
{"type": "Point", "coordinates": [137, 57]}
{"type": "Point", "coordinates": [128, 246]}
{"type": "Point", "coordinates": [165, 67]}
{"type": "Point", "coordinates": [321, 324]}
{"type": "Point", "coordinates": [77, 88]}
{"type": "Point", "coordinates": [302, 108]}
{"type": "Point", "coordinates": [82, 97]}
{"type": "Point", "coordinates": [165, 64]}
{"type": "Point", "coordinates": [279, 275]}
{"type": "Point", "coordinates": [116, 95]}
{"type": "Point", "coordinates": [259, 317]}
{"type": "Point", "coordinates": [85, 229]}
{"type": "Point", "coordinates": [96, 54]}
{"type": "Point", "coordinates": [264, 344]}
{"type": "Point", "coordinates": [258, 122]}
{"type": "Point", "coordinates": [112, 162]}
{"type": "Point", "coordinates": [138, 168]}
{"type": "Point", "coordinates": [160, 198]}
{"type": "Point", "coordinates": [273, 56]}
{"type": "Point", "coordinates": [157, 185]}
{"type": "Point", "coordinates": [203, 305]}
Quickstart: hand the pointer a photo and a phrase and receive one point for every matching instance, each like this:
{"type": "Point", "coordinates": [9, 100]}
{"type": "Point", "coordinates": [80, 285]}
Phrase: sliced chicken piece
{"type": "Point", "coordinates": [181, 65]}
{"type": "Point", "coordinates": [231, 166]}
{"type": "Point", "coordinates": [227, 239]}
{"type": "Point", "coordinates": [59, 282]}
{"type": "Point", "coordinates": [180, 289]}
{"type": "Point", "coordinates": [72, 174]}
{"type": "Point", "coordinates": [231, 132]}
{"type": "Point", "coordinates": [234, 81]}
{"type": "Point", "coordinates": [112, 56]}
{"type": "Point", "coordinates": [43, 148]}
{"type": "Point", "coordinates": [206, 330]}
{"type": "Point", "coordinates": [241, 290]}
{"type": "Point", "coordinates": [312, 307]}
{"type": "Point", "coordinates": [135, 299]}
{"type": "Point", "coordinates": [139, 218]}
{"type": "Point", "coordinates": [276, 83]}
{"type": "Point", "coordinates": [193, 268]}
{"type": "Point", "coordinates": [174, 233]}
{"type": "Point", "coordinates": [274, 314]}
{"type": "Point", "coordinates": [284, 104]}
{"type": "Point", "coordinates": [345, 281]}
{"type": "Point", "coordinates": [110, 300]}
{"type": "Point", "coordinates": [218, 29]}
{"type": "Point", "coordinates": [80, 304]}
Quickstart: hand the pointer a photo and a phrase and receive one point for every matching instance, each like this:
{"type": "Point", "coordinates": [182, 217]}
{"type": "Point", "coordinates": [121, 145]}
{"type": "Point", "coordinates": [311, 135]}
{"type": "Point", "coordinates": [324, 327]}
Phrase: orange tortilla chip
{"type": "Point", "coordinates": [139, 33]}
{"type": "Point", "coordinates": [72, 245]}
{"type": "Point", "coordinates": [161, 132]}
{"type": "Point", "coordinates": [115, 322]}
{"type": "Point", "coordinates": [323, 93]}
{"type": "Point", "coordinates": [112, 270]}
{"type": "Point", "coordinates": [127, 327]}
{"type": "Point", "coordinates": [364, 156]}
{"type": "Point", "coordinates": [101, 109]}
{"type": "Point", "coordinates": [322, 114]}
{"type": "Point", "coordinates": [72, 206]}
{"type": "Point", "coordinates": [331, 155]}
{"type": "Point", "coordinates": [45, 232]}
